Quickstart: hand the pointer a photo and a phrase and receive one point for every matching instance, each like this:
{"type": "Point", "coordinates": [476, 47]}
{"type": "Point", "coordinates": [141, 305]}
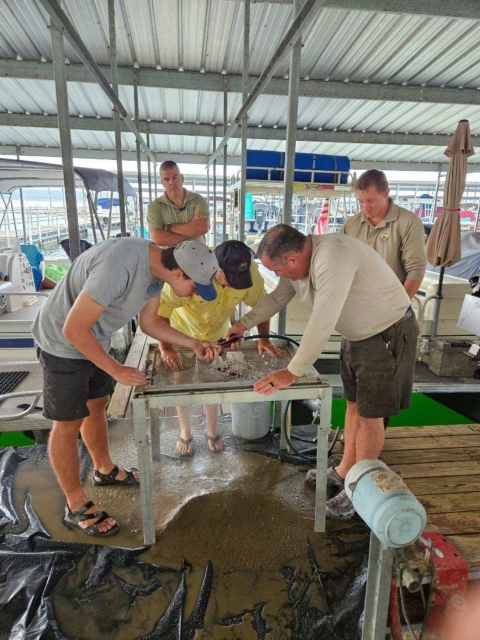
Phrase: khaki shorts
{"type": "Point", "coordinates": [377, 373]}
{"type": "Point", "coordinates": [68, 384]}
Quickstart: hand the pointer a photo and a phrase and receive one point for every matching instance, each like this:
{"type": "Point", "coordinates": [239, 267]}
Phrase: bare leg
{"type": "Point", "coordinates": [370, 438]}
{"type": "Point", "coordinates": [185, 431]}
{"type": "Point", "coordinates": [211, 411]}
{"type": "Point", "coordinates": [352, 425]}
{"type": "Point", "coordinates": [95, 436]}
{"type": "Point", "coordinates": [63, 454]}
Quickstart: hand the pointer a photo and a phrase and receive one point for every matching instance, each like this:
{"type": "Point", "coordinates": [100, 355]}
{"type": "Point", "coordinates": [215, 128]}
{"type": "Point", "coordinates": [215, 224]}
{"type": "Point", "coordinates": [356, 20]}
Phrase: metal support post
{"type": "Point", "coordinates": [323, 430]}
{"type": "Point", "coordinates": [149, 172]}
{"type": "Point", "coordinates": [22, 207]}
{"type": "Point", "coordinates": [244, 121]}
{"type": "Point", "coordinates": [109, 228]}
{"type": "Point", "coordinates": [155, 179]}
{"type": "Point", "coordinates": [116, 116]}
{"type": "Point", "coordinates": [208, 189]}
{"type": "Point", "coordinates": [92, 219]}
{"type": "Point", "coordinates": [293, 84]}
{"type": "Point", "coordinates": [139, 160]}
{"type": "Point", "coordinates": [214, 196]}
{"type": "Point", "coordinates": [141, 432]}
{"type": "Point", "coordinates": [377, 597]}
{"type": "Point", "coordinates": [292, 118]}
{"type": "Point", "coordinates": [435, 199]}
{"type": "Point", "coordinates": [305, 16]}
{"type": "Point", "coordinates": [59, 71]}
{"type": "Point", "coordinates": [225, 158]}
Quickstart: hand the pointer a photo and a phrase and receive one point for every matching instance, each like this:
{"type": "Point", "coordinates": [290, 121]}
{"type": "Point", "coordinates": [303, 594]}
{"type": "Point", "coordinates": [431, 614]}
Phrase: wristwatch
{"type": "Point", "coordinates": [167, 227]}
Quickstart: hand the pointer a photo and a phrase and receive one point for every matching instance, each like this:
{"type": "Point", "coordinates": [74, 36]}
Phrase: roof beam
{"type": "Point", "coordinates": [200, 159]}
{"type": "Point", "coordinates": [66, 28]}
{"type": "Point", "coordinates": [254, 133]}
{"type": "Point", "coordinates": [194, 81]}
{"type": "Point", "coordinates": [460, 9]}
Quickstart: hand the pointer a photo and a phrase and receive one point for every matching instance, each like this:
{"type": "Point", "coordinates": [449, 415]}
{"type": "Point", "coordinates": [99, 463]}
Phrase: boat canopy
{"type": "Point", "coordinates": [16, 174]}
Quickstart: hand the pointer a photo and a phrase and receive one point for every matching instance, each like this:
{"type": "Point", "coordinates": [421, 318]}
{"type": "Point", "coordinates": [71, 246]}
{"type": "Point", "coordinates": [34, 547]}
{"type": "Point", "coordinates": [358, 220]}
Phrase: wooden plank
{"type": "Point", "coordinates": [442, 430]}
{"type": "Point", "coordinates": [469, 547]}
{"type": "Point", "coordinates": [121, 396]}
{"type": "Point", "coordinates": [440, 486]}
{"type": "Point", "coordinates": [439, 469]}
{"type": "Point", "coordinates": [451, 502]}
{"type": "Point", "coordinates": [432, 442]}
{"type": "Point", "coordinates": [413, 456]}
{"type": "Point", "coordinates": [454, 523]}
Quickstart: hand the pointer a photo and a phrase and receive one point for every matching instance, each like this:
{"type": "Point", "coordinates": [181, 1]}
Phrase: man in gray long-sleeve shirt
{"type": "Point", "coordinates": [349, 288]}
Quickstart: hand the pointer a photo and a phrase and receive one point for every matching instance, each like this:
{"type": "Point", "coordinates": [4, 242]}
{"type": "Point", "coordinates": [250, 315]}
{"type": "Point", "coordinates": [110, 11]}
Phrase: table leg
{"type": "Point", "coordinates": [155, 432]}
{"type": "Point", "coordinates": [322, 458]}
{"type": "Point", "coordinates": [141, 423]}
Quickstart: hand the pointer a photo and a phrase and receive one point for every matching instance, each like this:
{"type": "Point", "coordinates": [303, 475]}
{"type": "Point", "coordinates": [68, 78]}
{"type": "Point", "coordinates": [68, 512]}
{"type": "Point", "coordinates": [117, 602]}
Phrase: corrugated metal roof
{"type": "Point", "coordinates": [206, 35]}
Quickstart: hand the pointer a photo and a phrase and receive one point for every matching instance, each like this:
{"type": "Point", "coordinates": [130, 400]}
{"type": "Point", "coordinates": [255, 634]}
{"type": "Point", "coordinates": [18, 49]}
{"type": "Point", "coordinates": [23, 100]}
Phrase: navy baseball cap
{"type": "Point", "coordinates": [200, 264]}
{"type": "Point", "coordinates": [234, 259]}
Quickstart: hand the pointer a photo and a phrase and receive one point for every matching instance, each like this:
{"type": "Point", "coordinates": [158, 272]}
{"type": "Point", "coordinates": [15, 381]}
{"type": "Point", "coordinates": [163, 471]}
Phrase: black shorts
{"type": "Point", "coordinates": [68, 384]}
{"type": "Point", "coordinates": [377, 373]}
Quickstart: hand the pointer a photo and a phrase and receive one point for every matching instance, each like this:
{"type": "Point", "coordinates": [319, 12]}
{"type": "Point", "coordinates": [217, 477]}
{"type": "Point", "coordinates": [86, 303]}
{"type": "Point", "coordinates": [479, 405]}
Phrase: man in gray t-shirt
{"type": "Point", "coordinates": [103, 290]}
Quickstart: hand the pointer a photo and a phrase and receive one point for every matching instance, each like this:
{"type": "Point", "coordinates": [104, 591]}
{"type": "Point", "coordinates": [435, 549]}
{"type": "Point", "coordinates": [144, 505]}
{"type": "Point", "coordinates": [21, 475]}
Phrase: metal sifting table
{"type": "Point", "coordinates": [202, 382]}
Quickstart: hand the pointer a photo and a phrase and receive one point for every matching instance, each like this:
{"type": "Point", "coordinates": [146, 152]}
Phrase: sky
{"type": "Point", "coordinates": [197, 169]}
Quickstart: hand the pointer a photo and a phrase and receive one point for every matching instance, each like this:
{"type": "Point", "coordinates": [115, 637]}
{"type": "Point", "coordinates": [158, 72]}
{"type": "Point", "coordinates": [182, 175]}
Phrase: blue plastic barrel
{"type": "Point", "coordinates": [273, 160]}
{"type": "Point", "coordinates": [319, 168]}
{"type": "Point", "coordinates": [385, 502]}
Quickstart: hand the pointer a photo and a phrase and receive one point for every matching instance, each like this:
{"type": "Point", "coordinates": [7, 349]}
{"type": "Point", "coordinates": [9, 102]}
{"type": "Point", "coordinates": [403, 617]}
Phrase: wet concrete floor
{"type": "Point", "coordinates": [248, 515]}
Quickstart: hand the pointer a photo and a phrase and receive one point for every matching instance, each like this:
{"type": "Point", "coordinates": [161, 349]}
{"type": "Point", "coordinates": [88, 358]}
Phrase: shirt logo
{"type": "Point", "coordinates": [384, 236]}
{"type": "Point", "coordinates": [153, 288]}
{"type": "Point", "coordinates": [191, 207]}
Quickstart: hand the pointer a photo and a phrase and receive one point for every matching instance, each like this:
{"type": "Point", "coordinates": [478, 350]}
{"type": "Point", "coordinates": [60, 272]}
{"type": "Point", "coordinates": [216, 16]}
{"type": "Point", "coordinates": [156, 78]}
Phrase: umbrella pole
{"type": "Point", "coordinates": [438, 302]}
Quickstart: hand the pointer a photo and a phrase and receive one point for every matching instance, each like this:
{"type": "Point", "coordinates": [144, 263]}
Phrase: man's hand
{"type": "Point", "coordinates": [236, 330]}
{"type": "Point", "coordinates": [274, 382]}
{"type": "Point", "coordinates": [206, 350]}
{"type": "Point", "coordinates": [265, 346]}
{"type": "Point", "coordinates": [199, 216]}
{"type": "Point", "coordinates": [129, 376]}
{"type": "Point", "coordinates": [171, 359]}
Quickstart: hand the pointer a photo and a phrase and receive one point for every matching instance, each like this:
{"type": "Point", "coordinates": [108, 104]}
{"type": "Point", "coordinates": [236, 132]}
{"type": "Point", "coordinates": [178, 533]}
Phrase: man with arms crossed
{"type": "Point", "coordinates": [395, 233]}
{"type": "Point", "coordinates": [179, 214]}
{"type": "Point", "coordinates": [349, 288]}
{"type": "Point", "coordinates": [104, 289]}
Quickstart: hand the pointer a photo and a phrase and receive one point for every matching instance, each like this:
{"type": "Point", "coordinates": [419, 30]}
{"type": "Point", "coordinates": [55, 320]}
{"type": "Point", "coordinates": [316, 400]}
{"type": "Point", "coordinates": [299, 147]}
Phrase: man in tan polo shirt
{"type": "Point", "coordinates": [349, 289]}
{"type": "Point", "coordinates": [395, 233]}
{"type": "Point", "coordinates": [178, 214]}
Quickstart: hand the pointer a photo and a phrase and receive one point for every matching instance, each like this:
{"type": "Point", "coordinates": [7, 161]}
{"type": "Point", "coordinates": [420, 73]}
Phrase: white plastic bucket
{"type": "Point", "coordinates": [251, 420]}
{"type": "Point", "coordinates": [385, 502]}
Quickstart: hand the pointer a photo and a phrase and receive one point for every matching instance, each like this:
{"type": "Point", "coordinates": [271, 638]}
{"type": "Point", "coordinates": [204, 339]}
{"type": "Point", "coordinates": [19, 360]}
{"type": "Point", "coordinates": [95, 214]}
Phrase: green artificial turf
{"type": "Point", "coordinates": [14, 439]}
{"type": "Point", "coordinates": [424, 412]}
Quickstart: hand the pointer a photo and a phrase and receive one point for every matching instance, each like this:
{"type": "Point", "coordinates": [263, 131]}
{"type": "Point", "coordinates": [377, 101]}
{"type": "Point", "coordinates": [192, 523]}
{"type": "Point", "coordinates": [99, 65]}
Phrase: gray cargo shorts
{"type": "Point", "coordinates": [377, 373]}
{"type": "Point", "coordinates": [68, 384]}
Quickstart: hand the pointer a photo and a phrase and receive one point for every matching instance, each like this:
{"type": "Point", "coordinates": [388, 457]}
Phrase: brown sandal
{"type": "Point", "coordinates": [187, 443]}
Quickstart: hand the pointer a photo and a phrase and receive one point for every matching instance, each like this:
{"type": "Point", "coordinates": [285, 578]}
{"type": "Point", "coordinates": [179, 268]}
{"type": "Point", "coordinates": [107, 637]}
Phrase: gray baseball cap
{"type": "Point", "coordinates": [200, 264]}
